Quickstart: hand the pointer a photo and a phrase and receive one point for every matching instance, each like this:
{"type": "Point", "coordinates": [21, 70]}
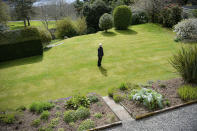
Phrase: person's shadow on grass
{"type": "Point", "coordinates": [103, 71]}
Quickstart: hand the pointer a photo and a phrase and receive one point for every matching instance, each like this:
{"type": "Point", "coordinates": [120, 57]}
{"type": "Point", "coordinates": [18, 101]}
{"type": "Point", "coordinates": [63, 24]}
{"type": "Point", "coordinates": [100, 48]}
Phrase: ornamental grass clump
{"type": "Point", "coordinates": [187, 92]}
{"type": "Point", "coordinates": [149, 98]}
{"type": "Point", "coordinates": [185, 62]}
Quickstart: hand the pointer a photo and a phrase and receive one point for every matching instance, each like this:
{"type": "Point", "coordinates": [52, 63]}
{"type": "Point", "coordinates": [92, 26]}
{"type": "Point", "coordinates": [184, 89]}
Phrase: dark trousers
{"type": "Point", "coordinates": [99, 60]}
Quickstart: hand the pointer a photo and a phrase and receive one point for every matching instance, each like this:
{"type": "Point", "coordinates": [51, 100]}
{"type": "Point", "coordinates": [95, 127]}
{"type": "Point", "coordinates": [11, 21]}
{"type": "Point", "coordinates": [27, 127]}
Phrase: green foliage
{"type": "Point", "coordinates": [111, 92]}
{"type": "Point", "coordinates": [106, 22]}
{"type": "Point", "coordinates": [4, 17]}
{"type": "Point", "coordinates": [123, 87]}
{"type": "Point", "coordinates": [58, 114]}
{"type": "Point", "coordinates": [60, 129]}
{"type": "Point", "coordinates": [171, 15]}
{"type": "Point", "coordinates": [185, 62]}
{"type": "Point", "coordinates": [35, 122]}
{"type": "Point", "coordinates": [149, 98]}
{"type": "Point", "coordinates": [139, 17]}
{"type": "Point", "coordinates": [54, 122]}
{"type": "Point", "coordinates": [194, 12]}
{"type": "Point", "coordinates": [45, 35]}
{"type": "Point", "coordinates": [85, 125]}
{"type": "Point", "coordinates": [167, 102]}
{"type": "Point", "coordinates": [93, 12]}
{"type": "Point", "coordinates": [64, 28]}
{"type": "Point", "coordinates": [70, 116]}
{"type": "Point", "coordinates": [39, 107]}
{"type": "Point", "coordinates": [45, 115]}
{"type": "Point", "coordinates": [77, 101]}
{"type": "Point", "coordinates": [111, 118]}
{"type": "Point", "coordinates": [117, 98]}
{"type": "Point", "coordinates": [7, 118]}
{"type": "Point", "coordinates": [98, 115]}
{"type": "Point", "coordinates": [82, 113]}
{"type": "Point", "coordinates": [81, 26]}
{"type": "Point", "coordinates": [21, 108]}
{"type": "Point", "coordinates": [187, 92]}
{"type": "Point", "coordinates": [122, 17]}
{"type": "Point", "coordinates": [93, 98]}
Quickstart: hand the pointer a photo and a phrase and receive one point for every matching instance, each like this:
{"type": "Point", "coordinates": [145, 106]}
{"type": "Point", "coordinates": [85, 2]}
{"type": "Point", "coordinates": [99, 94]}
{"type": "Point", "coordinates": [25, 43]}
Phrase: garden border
{"type": "Point", "coordinates": [159, 111]}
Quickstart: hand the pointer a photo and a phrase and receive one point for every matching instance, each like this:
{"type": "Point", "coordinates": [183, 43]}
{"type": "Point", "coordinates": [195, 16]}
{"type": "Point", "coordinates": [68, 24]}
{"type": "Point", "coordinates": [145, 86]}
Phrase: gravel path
{"type": "Point", "coordinates": [181, 119]}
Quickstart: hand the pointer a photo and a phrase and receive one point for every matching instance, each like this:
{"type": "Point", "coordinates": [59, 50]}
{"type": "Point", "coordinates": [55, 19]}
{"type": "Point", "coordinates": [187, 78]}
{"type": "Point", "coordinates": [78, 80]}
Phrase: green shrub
{"type": "Point", "coordinates": [194, 13]}
{"type": "Point", "coordinates": [105, 22]}
{"type": "Point", "coordinates": [58, 114]}
{"type": "Point", "coordinates": [45, 36]}
{"type": "Point", "coordinates": [123, 87]}
{"type": "Point", "coordinates": [93, 98]}
{"type": "Point", "coordinates": [21, 108]}
{"type": "Point", "coordinates": [171, 15]}
{"type": "Point", "coordinates": [45, 115]}
{"type": "Point", "coordinates": [39, 107]}
{"type": "Point", "coordinates": [77, 101]}
{"type": "Point", "coordinates": [122, 17]}
{"type": "Point", "coordinates": [82, 113]}
{"type": "Point", "coordinates": [54, 122]}
{"type": "Point", "coordinates": [7, 118]}
{"type": "Point", "coordinates": [81, 26]}
{"type": "Point", "coordinates": [20, 50]}
{"type": "Point", "coordinates": [35, 122]}
{"type": "Point", "coordinates": [60, 129]}
{"type": "Point", "coordinates": [111, 92]}
{"type": "Point", "coordinates": [117, 98]}
{"type": "Point", "coordinates": [64, 28]}
{"type": "Point", "coordinates": [185, 62]}
{"type": "Point", "coordinates": [139, 17]}
{"type": "Point", "coordinates": [187, 92]}
{"type": "Point", "coordinates": [98, 115]}
{"type": "Point", "coordinates": [70, 116]}
{"type": "Point", "coordinates": [85, 125]}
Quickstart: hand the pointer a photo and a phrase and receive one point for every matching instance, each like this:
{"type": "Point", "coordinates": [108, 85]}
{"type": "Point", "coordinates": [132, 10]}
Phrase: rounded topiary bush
{"type": "Point", "coordinates": [185, 62]}
{"type": "Point", "coordinates": [186, 30]}
{"type": "Point", "coordinates": [105, 22]}
{"type": "Point", "coordinates": [122, 17]}
{"type": "Point", "coordinates": [64, 28]}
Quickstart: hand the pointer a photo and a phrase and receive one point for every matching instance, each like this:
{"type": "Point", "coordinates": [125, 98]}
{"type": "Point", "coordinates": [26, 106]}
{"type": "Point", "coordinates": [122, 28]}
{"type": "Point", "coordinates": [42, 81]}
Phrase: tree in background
{"type": "Point", "coordinates": [4, 17]}
{"type": "Point", "coordinates": [23, 9]}
{"type": "Point", "coordinates": [106, 22]}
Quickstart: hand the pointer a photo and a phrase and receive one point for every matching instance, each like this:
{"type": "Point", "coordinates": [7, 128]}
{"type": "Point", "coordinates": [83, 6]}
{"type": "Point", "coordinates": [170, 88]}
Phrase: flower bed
{"type": "Point", "coordinates": [61, 115]}
{"type": "Point", "coordinates": [146, 100]}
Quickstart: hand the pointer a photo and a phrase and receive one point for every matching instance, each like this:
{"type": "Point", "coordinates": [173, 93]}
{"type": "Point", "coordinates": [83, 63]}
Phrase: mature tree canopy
{"type": "Point", "coordinates": [4, 17]}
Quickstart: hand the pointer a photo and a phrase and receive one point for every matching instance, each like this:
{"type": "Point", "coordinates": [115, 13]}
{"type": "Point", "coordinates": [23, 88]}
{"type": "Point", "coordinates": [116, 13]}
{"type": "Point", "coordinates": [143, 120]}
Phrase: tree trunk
{"type": "Point", "coordinates": [28, 20]}
{"type": "Point", "coordinates": [25, 23]}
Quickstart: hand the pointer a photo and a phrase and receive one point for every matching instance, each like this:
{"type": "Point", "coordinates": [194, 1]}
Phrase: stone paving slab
{"type": "Point", "coordinates": [117, 109]}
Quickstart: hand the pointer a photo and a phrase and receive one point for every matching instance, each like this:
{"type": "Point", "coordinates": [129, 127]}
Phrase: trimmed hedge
{"type": "Point", "coordinates": [20, 50]}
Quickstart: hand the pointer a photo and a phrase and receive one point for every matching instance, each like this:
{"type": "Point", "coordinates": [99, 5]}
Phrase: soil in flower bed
{"type": "Point", "coordinates": [168, 91]}
{"type": "Point", "coordinates": [25, 118]}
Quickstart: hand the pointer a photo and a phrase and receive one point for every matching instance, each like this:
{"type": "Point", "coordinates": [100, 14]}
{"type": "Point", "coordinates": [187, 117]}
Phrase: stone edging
{"type": "Point", "coordinates": [157, 112]}
{"type": "Point", "coordinates": [106, 126]}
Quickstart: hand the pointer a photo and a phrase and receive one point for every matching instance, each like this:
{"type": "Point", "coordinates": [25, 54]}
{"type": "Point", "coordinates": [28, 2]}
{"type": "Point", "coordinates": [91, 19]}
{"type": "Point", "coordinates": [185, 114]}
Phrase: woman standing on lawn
{"type": "Point", "coordinates": [100, 54]}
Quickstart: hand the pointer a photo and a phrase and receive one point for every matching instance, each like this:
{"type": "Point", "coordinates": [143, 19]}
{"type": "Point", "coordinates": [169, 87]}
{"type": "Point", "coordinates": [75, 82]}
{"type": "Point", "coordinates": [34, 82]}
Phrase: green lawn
{"type": "Point", "coordinates": [136, 55]}
{"type": "Point", "coordinates": [20, 24]}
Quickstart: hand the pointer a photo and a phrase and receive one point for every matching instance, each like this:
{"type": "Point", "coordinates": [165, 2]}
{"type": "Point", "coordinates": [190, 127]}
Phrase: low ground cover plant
{"type": "Point", "coordinates": [7, 118]}
{"type": "Point", "coordinates": [123, 87]}
{"type": "Point", "coordinates": [82, 113]}
{"type": "Point", "coordinates": [36, 122]}
{"type": "Point", "coordinates": [39, 107]}
{"type": "Point", "coordinates": [77, 101]}
{"type": "Point", "coordinates": [149, 98]}
{"type": "Point", "coordinates": [93, 98]}
{"type": "Point", "coordinates": [85, 125]}
{"type": "Point", "coordinates": [70, 116]}
{"type": "Point", "coordinates": [117, 98]}
{"type": "Point", "coordinates": [187, 92]}
{"type": "Point", "coordinates": [98, 115]}
{"type": "Point", "coordinates": [45, 115]}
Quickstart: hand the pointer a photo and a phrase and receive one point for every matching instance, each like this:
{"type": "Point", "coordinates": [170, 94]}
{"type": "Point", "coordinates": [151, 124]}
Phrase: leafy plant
{"type": "Point", "coordinates": [150, 99]}
{"type": "Point", "coordinates": [45, 115]}
{"type": "Point", "coordinates": [77, 101]}
{"type": "Point", "coordinates": [85, 125]}
{"type": "Point", "coordinates": [111, 92]}
{"type": "Point", "coordinates": [7, 118]}
{"type": "Point", "coordinates": [123, 87]}
{"type": "Point", "coordinates": [82, 113]}
{"type": "Point", "coordinates": [60, 129]}
{"type": "Point", "coordinates": [54, 122]}
{"type": "Point", "coordinates": [122, 17]}
{"type": "Point", "coordinates": [35, 122]}
{"type": "Point", "coordinates": [70, 116]}
{"type": "Point", "coordinates": [21, 108]}
{"type": "Point", "coordinates": [93, 98]}
{"type": "Point", "coordinates": [117, 98]}
{"type": "Point", "coordinates": [98, 115]}
{"type": "Point", "coordinates": [139, 17]}
{"type": "Point", "coordinates": [105, 22]}
{"type": "Point", "coordinates": [39, 107]}
{"type": "Point", "coordinates": [187, 92]}
{"type": "Point", "coordinates": [185, 62]}
{"type": "Point", "coordinates": [58, 114]}
{"type": "Point", "coordinates": [81, 26]}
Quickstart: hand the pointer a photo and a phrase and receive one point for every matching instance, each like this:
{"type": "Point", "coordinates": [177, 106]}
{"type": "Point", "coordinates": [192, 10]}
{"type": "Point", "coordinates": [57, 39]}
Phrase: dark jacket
{"type": "Point", "coordinates": [100, 52]}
